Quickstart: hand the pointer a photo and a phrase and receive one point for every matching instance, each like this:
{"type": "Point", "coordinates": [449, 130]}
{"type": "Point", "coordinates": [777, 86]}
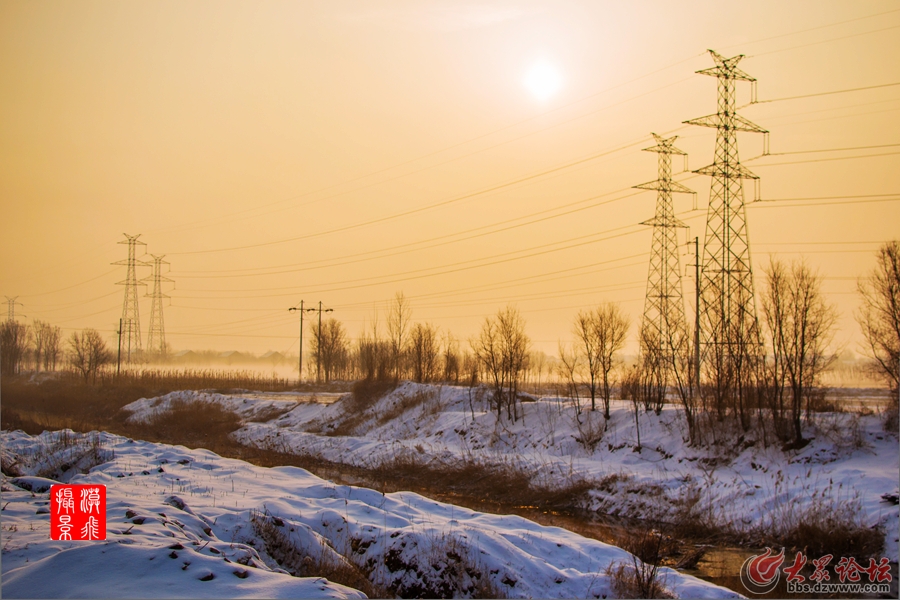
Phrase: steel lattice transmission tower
{"type": "Point", "coordinates": [729, 325]}
{"type": "Point", "coordinates": [131, 321]}
{"type": "Point", "coordinates": [157, 339]}
{"type": "Point", "coordinates": [663, 334]}
{"type": "Point", "coordinates": [11, 307]}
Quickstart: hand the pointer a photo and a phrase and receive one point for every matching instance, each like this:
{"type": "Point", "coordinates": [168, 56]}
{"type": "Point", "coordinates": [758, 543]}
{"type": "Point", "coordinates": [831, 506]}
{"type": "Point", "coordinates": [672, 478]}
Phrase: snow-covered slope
{"type": "Point", "coordinates": [740, 483]}
{"type": "Point", "coordinates": [181, 524]}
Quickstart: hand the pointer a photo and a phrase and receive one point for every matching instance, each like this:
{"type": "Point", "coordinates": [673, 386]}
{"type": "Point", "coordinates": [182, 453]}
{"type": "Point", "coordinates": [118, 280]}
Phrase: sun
{"type": "Point", "coordinates": [543, 80]}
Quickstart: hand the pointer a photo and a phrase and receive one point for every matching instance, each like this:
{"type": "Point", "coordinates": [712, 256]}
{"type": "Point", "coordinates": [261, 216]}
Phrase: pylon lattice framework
{"type": "Point", "coordinates": [728, 306]}
{"type": "Point", "coordinates": [156, 341]}
{"type": "Point", "coordinates": [11, 307]}
{"type": "Point", "coordinates": [131, 321]}
{"type": "Point", "coordinates": [663, 330]}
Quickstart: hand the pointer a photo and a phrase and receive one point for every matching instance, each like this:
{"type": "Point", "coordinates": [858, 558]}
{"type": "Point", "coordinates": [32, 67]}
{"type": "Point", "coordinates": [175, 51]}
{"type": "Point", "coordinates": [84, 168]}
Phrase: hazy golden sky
{"type": "Point", "coordinates": [344, 151]}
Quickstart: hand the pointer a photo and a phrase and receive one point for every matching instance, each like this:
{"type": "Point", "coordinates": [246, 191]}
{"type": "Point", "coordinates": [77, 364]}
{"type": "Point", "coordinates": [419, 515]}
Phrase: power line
{"type": "Point", "coordinates": [817, 160]}
{"type": "Point", "coordinates": [371, 255]}
{"type": "Point", "coordinates": [835, 24]}
{"type": "Point", "coordinates": [422, 208]}
{"type": "Point", "coordinates": [529, 119]}
{"type": "Point", "coordinates": [827, 150]}
{"type": "Point", "coordinates": [419, 273]}
{"type": "Point", "coordinates": [824, 41]}
{"type": "Point", "coordinates": [858, 89]}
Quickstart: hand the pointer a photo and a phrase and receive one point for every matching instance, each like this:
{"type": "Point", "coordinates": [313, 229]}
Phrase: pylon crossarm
{"type": "Point", "coordinates": [734, 171]}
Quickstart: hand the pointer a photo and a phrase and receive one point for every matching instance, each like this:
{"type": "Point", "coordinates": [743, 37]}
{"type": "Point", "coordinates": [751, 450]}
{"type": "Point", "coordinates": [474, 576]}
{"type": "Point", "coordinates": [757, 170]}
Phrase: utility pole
{"type": "Point", "coordinates": [11, 307]}
{"type": "Point", "coordinates": [730, 335]}
{"type": "Point", "coordinates": [319, 342]}
{"type": "Point", "coordinates": [697, 314]}
{"type": "Point", "coordinates": [131, 321]}
{"type": "Point", "coordinates": [157, 338]}
{"type": "Point", "coordinates": [300, 364]}
{"type": "Point", "coordinates": [119, 352]}
{"type": "Point", "coordinates": [664, 330]}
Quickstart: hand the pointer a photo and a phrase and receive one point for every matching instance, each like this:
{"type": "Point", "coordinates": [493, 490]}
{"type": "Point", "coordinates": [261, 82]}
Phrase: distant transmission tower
{"type": "Point", "coordinates": [663, 330]}
{"type": "Point", "coordinates": [157, 340]}
{"type": "Point", "coordinates": [11, 307]}
{"type": "Point", "coordinates": [131, 321]}
{"type": "Point", "coordinates": [729, 321]}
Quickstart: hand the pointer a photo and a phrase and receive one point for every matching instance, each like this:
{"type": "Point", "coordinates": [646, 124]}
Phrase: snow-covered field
{"type": "Point", "coordinates": [181, 524]}
{"type": "Point", "coordinates": [850, 463]}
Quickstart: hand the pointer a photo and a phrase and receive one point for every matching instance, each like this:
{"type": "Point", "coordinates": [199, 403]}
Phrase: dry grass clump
{"type": "Point", "coordinates": [62, 452]}
{"type": "Point", "coordinates": [503, 483]}
{"type": "Point", "coordinates": [639, 577]}
{"type": "Point", "coordinates": [442, 565]}
{"type": "Point", "coordinates": [408, 402]}
{"type": "Point", "coordinates": [363, 395]}
{"type": "Point", "coordinates": [321, 561]}
{"type": "Point", "coordinates": [192, 423]}
{"type": "Point", "coordinates": [833, 528]}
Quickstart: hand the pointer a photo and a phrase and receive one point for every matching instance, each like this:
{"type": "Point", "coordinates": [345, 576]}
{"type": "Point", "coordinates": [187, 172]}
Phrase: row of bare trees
{"type": "Point", "coordinates": [766, 375]}
{"type": "Point", "coordinates": [29, 347]}
{"type": "Point", "coordinates": [39, 347]}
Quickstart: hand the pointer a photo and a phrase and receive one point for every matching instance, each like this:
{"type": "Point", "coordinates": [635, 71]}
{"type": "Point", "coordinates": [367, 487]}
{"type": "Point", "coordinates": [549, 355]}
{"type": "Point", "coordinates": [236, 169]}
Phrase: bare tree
{"type": "Point", "coordinates": [39, 346]}
{"type": "Point", "coordinates": [586, 334]}
{"type": "Point", "coordinates": [879, 315]}
{"type": "Point", "coordinates": [398, 328]}
{"type": "Point", "coordinates": [330, 347]}
{"type": "Point", "coordinates": [452, 359]}
{"type": "Point", "coordinates": [14, 342]}
{"type": "Point", "coordinates": [801, 325]}
{"type": "Point", "coordinates": [516, 346]}
{"type": "Point", "coordinates": [88, 354]}
{"type": "Point", "coordinates": [423, 352]}
{"type": "Point", "coordinates": [52, 341]}
{"type": "Point", "coordinates": [487, 349]}
{"type": "Point", "coordinates": [502, 350]}
{"type": "Point", "coordinates": [538, 362]}
{"type": "Point", "coordinates": [609, 327]}
{"type": "Point", "coordinates": [567, 369]}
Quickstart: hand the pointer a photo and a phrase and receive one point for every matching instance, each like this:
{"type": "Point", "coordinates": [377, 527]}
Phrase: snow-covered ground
{"type": "Point", "coordinates": [181, 524]}
{"type": "Point", "coordinates": [850, 463]}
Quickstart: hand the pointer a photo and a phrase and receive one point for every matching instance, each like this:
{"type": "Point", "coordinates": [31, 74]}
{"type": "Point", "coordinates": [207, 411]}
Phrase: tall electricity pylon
{"type": "Point", "coordinates": [131, 321]}
{"type": "Point", "coordinates": [11, 307]}
{"type": "Point", "coordinates": [663, 333]}
{"type": "Point", "coordinates": [730, 328]}
{"type": "Point", "coordinates": [156, 342]}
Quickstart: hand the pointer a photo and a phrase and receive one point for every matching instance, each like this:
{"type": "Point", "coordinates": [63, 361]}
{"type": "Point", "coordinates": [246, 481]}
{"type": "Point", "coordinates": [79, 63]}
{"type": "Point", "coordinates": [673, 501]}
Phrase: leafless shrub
{"type": "Point", "coordinates": [88, 354]}
{"type": "Point", "coordinates": [591, 428]}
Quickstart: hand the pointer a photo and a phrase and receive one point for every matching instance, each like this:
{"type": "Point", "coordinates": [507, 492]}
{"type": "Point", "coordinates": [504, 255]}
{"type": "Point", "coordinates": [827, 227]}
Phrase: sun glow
{"type": "Point", "coordinates": [543, 80]}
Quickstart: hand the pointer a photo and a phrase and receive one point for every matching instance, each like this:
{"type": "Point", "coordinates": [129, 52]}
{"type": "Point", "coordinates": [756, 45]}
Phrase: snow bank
{"type": "Point", "coordinates": [851, 461]}
{"type": "Point", "coordinates": [180, 525]}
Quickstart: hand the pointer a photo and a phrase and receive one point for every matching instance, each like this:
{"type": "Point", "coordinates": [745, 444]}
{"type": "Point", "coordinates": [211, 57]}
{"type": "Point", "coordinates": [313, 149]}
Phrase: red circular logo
{"type": "Point", "coordinates": [760, 573]}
